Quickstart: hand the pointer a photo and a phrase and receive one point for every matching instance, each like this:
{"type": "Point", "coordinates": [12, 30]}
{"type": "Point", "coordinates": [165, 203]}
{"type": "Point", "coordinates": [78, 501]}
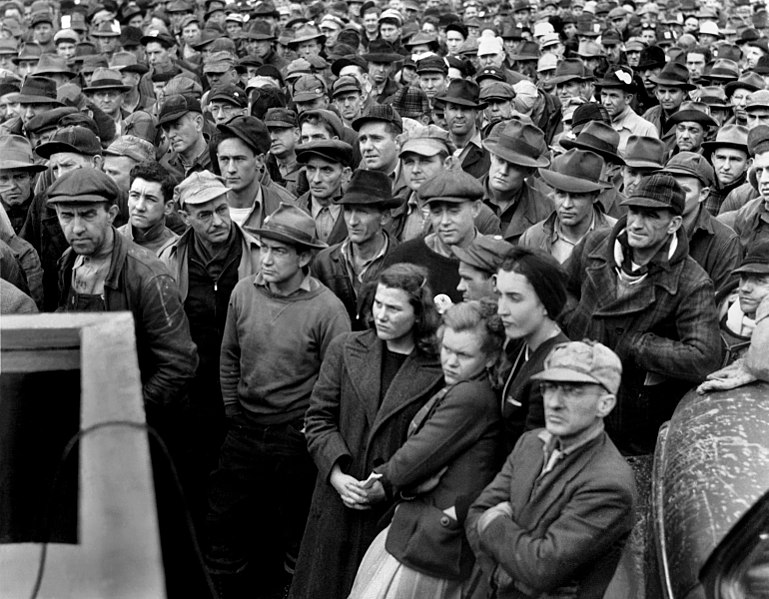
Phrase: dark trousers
{"type": "Point", "coordinates": [259, 498]}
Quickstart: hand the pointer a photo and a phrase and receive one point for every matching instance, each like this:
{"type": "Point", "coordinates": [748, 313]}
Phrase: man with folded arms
{"type": "Point", "coordinates": [576, 181]}
{"type": "Point", "coordinates": [349, 267]}
{"type": "Point", "coordinates": [555, 519]}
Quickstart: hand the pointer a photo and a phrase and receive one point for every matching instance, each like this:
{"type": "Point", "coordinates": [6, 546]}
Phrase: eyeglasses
{"type": "Point", "coordinates": [569, 389]}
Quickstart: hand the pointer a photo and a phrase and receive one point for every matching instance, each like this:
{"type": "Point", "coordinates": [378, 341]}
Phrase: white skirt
{"type": "Point", "coordinates": [381, 576]}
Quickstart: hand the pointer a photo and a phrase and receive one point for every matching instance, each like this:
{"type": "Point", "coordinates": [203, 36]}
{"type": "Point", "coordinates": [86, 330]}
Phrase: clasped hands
{"type": "Point", "coordinates": [356, 494]}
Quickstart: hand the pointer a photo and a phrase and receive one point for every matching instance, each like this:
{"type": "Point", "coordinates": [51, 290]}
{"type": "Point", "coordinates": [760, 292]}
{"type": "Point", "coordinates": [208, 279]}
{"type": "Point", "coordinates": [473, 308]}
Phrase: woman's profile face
{"type": "Point", "coordinates": [394, 316]}
{"type": "Point", "coordinates": [462, 356]}
{"type": "Point", "coordinates": [518, 305]}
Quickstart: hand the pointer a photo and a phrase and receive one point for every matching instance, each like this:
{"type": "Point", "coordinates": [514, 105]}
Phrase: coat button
{"type": "Point", "coordinates": [445, 521]}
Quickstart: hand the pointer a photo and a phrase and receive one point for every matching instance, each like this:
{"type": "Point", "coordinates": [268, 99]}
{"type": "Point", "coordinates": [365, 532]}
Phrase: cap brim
{"type": "Point", "coordinates": [26, 99]}
{"type": "Point", "coordinates": [693, 116]}
{"type": "Point", "coordinates": [684, 172]}
{"type": "Point", "coordinates": [645, 203]}
{"type": "Point", "coordinates": [422, 147]}
{"type": "Point", "coordinates": [570, 144]}
{"type": "Point", "coordinates": [79, 199]}
{"type": "Point", "coordinates": [460, 101]}
{"type": "Point", "coordinates": [642, 164]}
{"type": "Point", "coordinates": [673, 83]}
{"type": "Point", "coordinates": [279, 124]}
{"type": "Point", "coordinates": [306, 97]}
{"type": "Point", "coordinates": [709, 146]}
{"type": "Point", "coordinates": [383, 57]}
{"type": "Point", "coordinates": [38, 168]}
{"type": "Point", "coordinates": [360, 199]}
{"type": "Point", "coordinates": [120, 88]}
{"type": "Point", "coordinates": [46, 150]}
{"type": "Point", "coordinates": [564, 375]}
{"type": "Point", "coordinates": [206, 196]}
{"type": "Point", "coordinates": [571, 184]}
{"type": "Point", "coordinates": [753, 269]}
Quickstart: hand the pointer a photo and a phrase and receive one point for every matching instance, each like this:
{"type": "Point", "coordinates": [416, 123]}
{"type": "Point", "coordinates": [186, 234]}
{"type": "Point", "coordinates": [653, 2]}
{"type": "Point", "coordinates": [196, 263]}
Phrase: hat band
{"type": "Point", "coordinates": [518, 146]}
{"type": "Point", "coordinates": [596, 143]}
{"type": "Point", "coordinates": [292, 232]}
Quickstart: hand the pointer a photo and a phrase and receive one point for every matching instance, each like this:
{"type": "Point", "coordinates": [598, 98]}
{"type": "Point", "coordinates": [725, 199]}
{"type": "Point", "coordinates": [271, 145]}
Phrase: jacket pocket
{"type": "Point", "coordinates": [427, 540]}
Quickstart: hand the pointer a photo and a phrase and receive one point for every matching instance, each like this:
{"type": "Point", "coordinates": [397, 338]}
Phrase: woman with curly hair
{"type": "Point", "coordinates": [371, 385]}
{"type": "Point", "coordinates": [452, 452]}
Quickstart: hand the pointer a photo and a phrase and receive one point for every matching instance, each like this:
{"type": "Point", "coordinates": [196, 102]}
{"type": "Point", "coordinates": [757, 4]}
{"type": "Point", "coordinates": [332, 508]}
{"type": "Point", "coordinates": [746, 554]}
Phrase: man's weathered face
{"type": "Point", "coordinates": [146, 204]}
{"type": "Point", "coordinates": [308, 49]}
{"type": "Point", "coordinates": [417, 168]}
{"type": "Point", "coordinates": [761, 169]}
{"type": "Point", "coordinates": [184, 132]}
{"type": "Point", "coordinates": [648, 227]}
{"type": "Point", "coordinates": [572, 408]}
{"type": "Point", "coordinates": [738, 101]}
{"type": "Point", "coordinates": [474, 284]}
{"type": "Point", "coordinates": [730, 164]}
{"type": "Point", "coordinates": [158, 54]}
{"type": "Point", "coordinates": [86, 226]}
{"type": "Point", "coordinates": [283, 140]}
{"type": "Point", "coordinates": [223, 111]}
{"type": "Point", "coordinates": [693, 192]}
{"type": "Point", "coordinates": [64, 162]}
{"type": "Point", "coordinates": [210, 221]}
{"type": "Point", "coordinates": [433, 84]}
{"type": "Point", "coordinates": [118, 168]}
{"type": "Point", "coordinates": [379, 71]}
{"type": "Point", "coordinates": [312, 132]}
{"type": "Point", "coordinates": [108, 100]}
{"type": "Point", "coordinates": [505, 176]}
{"type": "Point", "coordinates": [378, 147]}
{"type": "Point", "coordinates": [670, 98]}
{"type": "Point", "coordinates": [389, 32]}
{"type": "Point", "coordinates": [238, 163]}
{"type": "Point", "coordinates": [454, 221]}
{"type": "Point", "coordinates": [15, 185]}
{"type": "Point", "coordinates": [570, 89]}
{"type": "Point", "coordinates": [106, 45]}
{"type": "Point", "coordinates": [614, 100]}
{"type": "Point", "coordinates": [689, 136]}
{"type": "Point", "coordinates": [646, 76]}
{"type": "Point", "coordinates": [573, 209]}
{"type": "Point", "coordinates": [363, 222]}
{"type": "Point", "coordinates": [325, 178]}
{"type": "Point", "coordinates": [371, 21]}
{"type": "Point", "coordinates": [757, 116]}
{"type": "Point", "coordinates": [460, 120]}
{"type": "Point", "coordinates": [29, 111]}
{"type": "Point", "coordinates": [498, 109]}
{"type": "Point", "coordinates": [280, 261]}
{"type": "Point", "coordinates": [43, 33]}
{"type": "Point", "coordinates": [191, 33]}
{"type": "Point", "coordinates": [695, 62]}
{"type": "Point", "coordinates": [349, 104]}
{"type": "Point", "coordinates": [454, 40]}
{"type": "Point", "coordinates": [631, 177]}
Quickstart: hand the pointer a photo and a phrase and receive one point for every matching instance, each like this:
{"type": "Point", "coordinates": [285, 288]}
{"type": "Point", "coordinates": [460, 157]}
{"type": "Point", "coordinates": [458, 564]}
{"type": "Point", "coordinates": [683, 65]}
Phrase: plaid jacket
{"type": "Point", "coordinates": [666, 327]}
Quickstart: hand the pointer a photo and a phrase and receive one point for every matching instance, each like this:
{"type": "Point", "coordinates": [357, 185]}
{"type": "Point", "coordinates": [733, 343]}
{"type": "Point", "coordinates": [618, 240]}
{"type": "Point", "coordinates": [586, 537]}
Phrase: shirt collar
{"type": "Point", "coordinates": [305, 285]}
{"type": "Point", "coordinates": [550, 441]}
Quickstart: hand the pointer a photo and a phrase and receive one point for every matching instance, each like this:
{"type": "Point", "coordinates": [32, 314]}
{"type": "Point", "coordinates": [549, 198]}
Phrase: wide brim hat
{"type": "Point", "coordinates": [604, 153]}
{"type": "Point", "coordinates": [570, 183]}
{"type": "Point", "coordinates": [512, 155]}
{"type": "Point", "coordinates": [20, 164]}
{"type": "Point", "coordinates": [104, 84]}
{"type": "Point", "coordinates": [730, 87]}
{"type": "Point", "coordinates": [34, 99]}
{"type": "Point", "coordinates": [307, 38]}
{"type": "Point", "coordinates": [662, 80]}
{"type": "Point", "coordinates": [694, 116]}
{"type": "Point", "coordinates": [709, 147]}
{"type": "Point", "coordinates": [457, 87]}
{"type": "Point", "coordinates": [570, 77]}
{"type": "Point", "coordinates": [382, 57]}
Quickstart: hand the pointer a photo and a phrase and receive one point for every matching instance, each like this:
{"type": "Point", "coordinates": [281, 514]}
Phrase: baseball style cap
{"type": "Point", "coordinates": [176, 106]}
{"type": "Point", "coordinates": [691, 164]}
{"type": "Point", "coordinates": [582, 362]}
{"type": "Point", "coordinates": [309, 87]}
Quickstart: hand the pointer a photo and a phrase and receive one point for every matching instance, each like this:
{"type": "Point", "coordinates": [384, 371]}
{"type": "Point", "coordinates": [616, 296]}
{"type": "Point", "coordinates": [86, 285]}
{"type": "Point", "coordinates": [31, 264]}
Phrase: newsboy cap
{"type": "Point", "coordinates": [452, 187]}
{"type": "Point", "coordinates": [83, 185]}
{"type": "Point", "coordinates": [485, 252]}
{"type": "Point", "coordinates": [333, 150]}
{"type": "Point", "coordinates": [176, 106]}
{"type": "Point", "coordinates": [659, 190]}
{"type": "Point", "coordinates": [78, 140]}
{"type": "Point", "coordinates": [249, 129]}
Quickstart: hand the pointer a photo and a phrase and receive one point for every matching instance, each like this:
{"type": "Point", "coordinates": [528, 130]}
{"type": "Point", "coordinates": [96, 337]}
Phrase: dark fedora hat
{"type": "Point", "coordinates": [104, 79]}
{"type": "Point", "coordinates": [722, 70]}
{"type": "Point", "coordinates": [674, 74]}
{"type": "Point", "coordinates": [332, 150]}
{"type": "Point", "coordinates": [462, 92]}
{"type": "Point", "coordinates": [369, 188]}
{"type": "Point", "coordinates": [652, 57]}
{"type": "Point", "coordinates": [571, 69]}
{"type": "Point", "coordinates": [644, 152]}
{"type": "Point", "coordinates": [728, 136]}
{"type": "Point", "coordinates": [693, 112]}
{"type": "Point", "coordinates": [519, 143]}
{"type": "Point", "coordinates": [750, 81]}
{"type": "Point", "coordinates": [597, 137]}
{"type": "Point", "coordinates": [382, 51]}
{"type": "Point", "coordinates": [618, 76]}
{"type": "Point", "coordinates": [291, 225]}
{"type": "Point", "coordinates": [576, 171]}
{"type": "Point", "coordinates": [38, 90]}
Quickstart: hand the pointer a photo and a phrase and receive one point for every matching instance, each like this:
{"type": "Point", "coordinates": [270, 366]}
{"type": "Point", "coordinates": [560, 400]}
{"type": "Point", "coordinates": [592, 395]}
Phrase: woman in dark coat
{"type": "Point", "coordinates": [452, 452]}
{"type": "Point", "coordinates": [370, 386]}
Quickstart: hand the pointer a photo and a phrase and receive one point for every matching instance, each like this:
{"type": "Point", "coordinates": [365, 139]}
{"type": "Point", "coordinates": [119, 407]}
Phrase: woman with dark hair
{"type": "Point", "coordinates": [370, 386]}
{"type": "Point", "coordinates": [531, 288]}
{"type": "Point", "coordinates": [452, 452]}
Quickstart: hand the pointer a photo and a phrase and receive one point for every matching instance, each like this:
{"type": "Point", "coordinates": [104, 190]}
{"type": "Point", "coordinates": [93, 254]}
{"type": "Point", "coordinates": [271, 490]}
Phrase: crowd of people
{"type": "Point", "coordinates": [414, 284]}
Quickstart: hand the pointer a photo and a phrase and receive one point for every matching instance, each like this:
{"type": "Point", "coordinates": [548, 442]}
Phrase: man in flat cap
{"type": "Point", "coordinates": [349, 267]}
{"type": "Point", "coordinates": [713, 245]}
{"type": "Point", "coordinates": [327, 165]}
{"type": "Point", "coordinates": [240, 151]}
{"type": "Point", "coordinates": [226, 101]}
{"type": "Point", "coordinates": [576, 181]}
{"type": "Point", "coordinates": [150, 203]}
{"type": "Point", "coordinates": [565, 497]}
{"type": "Point", "coordinates": [453, 200]}
{"type": "Point", "coordinates": [103, 271]}
{"type": "Point", "coordinates": [378, 129]}
{"type": "Point", "coordinates": [649, 301]}
{"type": "Point", "coordinates": [478, 263]}
{"type": "Point", "coordinates": [347, 97]}
{"type": "Point", "coordinates": [284, 138]}
{"type": "Point", "coordinates": [181, 119]}
{"type": "Point", "coordinates": [207, 261]}
{"type": "Point", "coordinates": [260, 493]}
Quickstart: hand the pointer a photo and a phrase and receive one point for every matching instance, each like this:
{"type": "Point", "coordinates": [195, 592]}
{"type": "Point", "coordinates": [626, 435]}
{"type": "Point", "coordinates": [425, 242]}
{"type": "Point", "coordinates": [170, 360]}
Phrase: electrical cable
{"type": "Point", "coordinates": [71, 444]}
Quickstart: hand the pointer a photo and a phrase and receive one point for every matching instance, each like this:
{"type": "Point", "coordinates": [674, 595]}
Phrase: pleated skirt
{"type": "Point", "coordinates": [381, 576]}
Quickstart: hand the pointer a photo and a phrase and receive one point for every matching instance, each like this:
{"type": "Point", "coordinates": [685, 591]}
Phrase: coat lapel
{"type": "Point", "coordinates": [363, 355]}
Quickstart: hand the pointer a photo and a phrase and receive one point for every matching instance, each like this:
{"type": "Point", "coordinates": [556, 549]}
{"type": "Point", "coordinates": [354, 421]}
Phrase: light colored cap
{"type": "Point", "coordinates": [200, 187]}
{"type": "Point", "coordinates": [427, 141]}
{"type": "Point", "coordinates": [490, 45]}
{"type": "Point", "coordinates": [547, 62]}
{"type": "Point", "coordinates": [583, 362]}
{"type": "Point", "coordinates": [541, 29]}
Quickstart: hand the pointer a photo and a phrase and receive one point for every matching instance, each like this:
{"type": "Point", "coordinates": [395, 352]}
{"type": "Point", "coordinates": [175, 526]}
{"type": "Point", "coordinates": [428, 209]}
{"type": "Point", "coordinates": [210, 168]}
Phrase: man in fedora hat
{"type": "Point", "coordinates": [260, 42]}
{"type": "Point", "coordinates": [576, 181]}
{"type": "Point", "coordinates": [461, 108]}
{"type": "Point", "coordinates": [601, 139]}
{"type": "Point", "coordinates": [37, 95]}
{"type": "Point", "coordinates": [738, 92]}
{"type": "Point", "coordinates": [617, 90]}
{"type": "Point", "coordinates": [643, 156]}
{"type": "Point", "coordinates": [207, 261]}
{"type": "Point", "coordinates": [242, 144]}
{"type": "Point", "coordinates": [107, 92]}
{"type": "Point", "coordinates": [453, 200]}
{"type": "Point", "coordinates": [131, 71]}
{"type": "Point", "coordinates": [713, 245]}
{"type": "Point", "coordinates": [728, 153]}
{"type": "Point", "coordinates": [283, 316]}
{"type": "Point", "coordinates": [651, 304]}
{"type": "Point", "coordinates": [307, 42]}
{"type": "Point", "coordinates": [692, 125]}
{"type": "Point", "coordinates": [572, 81]}
{"type": "Point", "coordinates": [327, 165]}
{"type": "Point", "coordinates": [349, 267]}
{"type": "Point", "coordinates": [741, 195]}
{"type": "Point", "coordinates": [381, 57]}
{"type": "Point", "coordinates": [672, 88]}
{"type": "Point", "coordinates": [516, 149]}
{"type": "Point", "coordinates": [17, 175]}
